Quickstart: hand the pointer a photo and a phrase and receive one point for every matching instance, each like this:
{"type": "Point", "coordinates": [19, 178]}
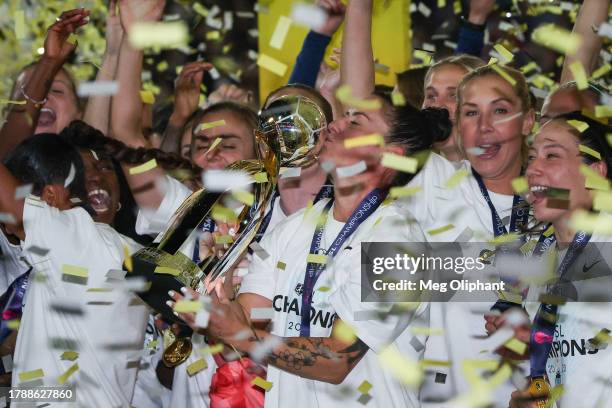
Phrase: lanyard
{"type": "Point", "coordinates": [543, 328]}
{"type": "Point", "coordinates": [327, 191]}
{"type": "Point", "coordinates": [313, 270]}
{"type": "Point", "coordinates": [518, 218]}
{"type": "Point", "coordinates": [12, 305]}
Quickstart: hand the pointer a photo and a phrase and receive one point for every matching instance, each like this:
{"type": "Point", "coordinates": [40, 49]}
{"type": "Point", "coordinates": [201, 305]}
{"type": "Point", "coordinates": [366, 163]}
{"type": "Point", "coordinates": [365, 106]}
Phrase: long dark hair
{"type": "Point", "coordinates": [83, 136]}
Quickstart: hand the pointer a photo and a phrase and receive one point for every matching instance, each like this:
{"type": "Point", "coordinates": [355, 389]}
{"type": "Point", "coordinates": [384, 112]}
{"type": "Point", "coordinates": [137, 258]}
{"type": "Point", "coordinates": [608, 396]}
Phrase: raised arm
{"type": "Point", "coordinates": [126, 110]}
{"type": "Point", "coordinates": [309, 60]}
{"type": "Point", "coordinates": [592, 14]}
{"type": "Point", "coordinates": [471, 33]}
{"type": "Point", "coordinates": [97, 112]}
{"type": "Point", "coordinates": [357, 66]}
{"type": "Point", "coordinates": [186, 98]}
{"type": "Point", "coordinates": [22, 119]}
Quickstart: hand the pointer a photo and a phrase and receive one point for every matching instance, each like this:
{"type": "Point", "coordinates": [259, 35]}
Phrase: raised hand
{"type": "Point", "coordinates": [335, 16]}
{"type": "Point", "coordinates": [230, 92]}
{"type": "Point", "coordinates": [134, 11]}
{"type": "Point", "coordinates": [187, 89]}
{"type": "Point", "coordinates": [480, 10]}
{"type": "Point", "coordinates": [57, 47]}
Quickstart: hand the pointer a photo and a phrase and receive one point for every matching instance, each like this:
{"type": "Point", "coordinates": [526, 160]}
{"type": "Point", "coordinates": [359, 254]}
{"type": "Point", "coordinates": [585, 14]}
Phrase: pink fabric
{"type": "Point", "coordinates": [231, 384]}
{"type": "Point", "coordinates": [541, 337]}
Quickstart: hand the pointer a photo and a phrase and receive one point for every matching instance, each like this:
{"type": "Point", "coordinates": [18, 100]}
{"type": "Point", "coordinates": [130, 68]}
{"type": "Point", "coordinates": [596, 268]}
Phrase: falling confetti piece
{"type": "Point", "coordinates": [69, 355]}
{"type": "Point", "coordinates": [504, 53]}
{"type": "Point", "coordinates": [261, 383]}
{"type": "Point", "coordinates": [147, 97]}
{"type": "Point", "coordinates": [71, 175]}
{"type": "Point", "coordinates": [74, 270]}
{"type": "Point", "coordinates": [272, 65]}
{"type": "Point", "coordinates": [31, 375]}
{"type": "Point", "coordinates": [589, 151]}
{"type": "Point", "coordinates": [401, 163]}
{"type": "Point", "coordinates": [64, 377]}
{"type": "Point", "coordinates": [440, 230]}
{"type": "Point", "coordinates": [345, 96]}
{"type": "Point", "coordinates": [281, 265]}
{"type": "Point", "coordinates": [316, 258]}
{"type": "Point", "coordinates": [209, 125]}
{"type": "Point", "coordinates": [187, 306]}
{"type": "Point", "coordinates": [365, 387]}
{"type": "Point", "coordinates": [343, 332]}
{"type": "Point", "coordinates": [579, 74]}
{"type": "Point", "coordinates": [578, 124]}
{"type": "Point", "coordinates": [158, 34]}
{"type": "Point", "coordinates": [196, 367]}
{"type": "Point", "coordinates": [261, 177]}
{"type": "Point", "coordinates": [397, 192]}
{"type": "Point", "coordinates": [244, 197]}
{"type": "Point", "coordinates": [454, 180]}
{"type": "Point", "coordinates": [280, 32]}
{"type": "Point", "coordinates": [375, 139]}
{"type": "Point", "coordinates": [352, 170]}
{"type": "Point", "coordinates": [519, 185]}
{"type": "Point", "coordinates": [143, 168]}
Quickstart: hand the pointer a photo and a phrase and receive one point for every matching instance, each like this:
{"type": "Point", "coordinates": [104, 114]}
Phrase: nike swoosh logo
{"type": "Point", "coordinates": [586, 268]}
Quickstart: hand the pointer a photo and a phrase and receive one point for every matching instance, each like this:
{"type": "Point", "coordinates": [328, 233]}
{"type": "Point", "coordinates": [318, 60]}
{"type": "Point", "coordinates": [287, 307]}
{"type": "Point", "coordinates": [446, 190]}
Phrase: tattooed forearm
{"type": "Point", "coordinates": [318, 358]}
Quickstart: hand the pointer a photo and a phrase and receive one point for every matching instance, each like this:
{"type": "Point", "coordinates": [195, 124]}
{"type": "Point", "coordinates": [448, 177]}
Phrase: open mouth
{"type": "Point", "coordinates": [99, 200]}
{"type": "Point", "coordinates": [538, 193]}
{"type": "Point", "coordinates": [488, 151]}
{"type": "Point", "coordinates": [47, 117]}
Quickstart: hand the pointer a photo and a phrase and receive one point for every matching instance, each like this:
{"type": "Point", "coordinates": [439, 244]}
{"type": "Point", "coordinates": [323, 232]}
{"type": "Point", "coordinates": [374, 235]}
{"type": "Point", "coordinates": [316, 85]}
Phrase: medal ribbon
{"type": "Point", "coordinates": [518, 218]}
{"type": "Point", "coordinates": [12, 305]}
{"type": "Point", "coordinates": [543, 328]}
{"type": "Point", "coordinates": [313, 270]}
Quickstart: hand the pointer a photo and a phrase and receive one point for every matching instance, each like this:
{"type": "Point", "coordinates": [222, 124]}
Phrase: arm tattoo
{"type": "Point", "coordinates": [307, 351]}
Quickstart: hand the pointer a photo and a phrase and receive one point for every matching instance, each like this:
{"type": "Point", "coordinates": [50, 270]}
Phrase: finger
{"type": "Point", "coordinates": [70, 13]}
{"type": "Point", "coordinates": [112, 8]}
{"type": "Point", "coordinates": [174, 296]}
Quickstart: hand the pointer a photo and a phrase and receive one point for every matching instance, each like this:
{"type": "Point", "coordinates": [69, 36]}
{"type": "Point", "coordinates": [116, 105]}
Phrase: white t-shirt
{"type": "Point", "coordinates": [583, 371]}
{"type": "Point", "coordinates": [11, 264]}
{"type": "Point", "coordinates": [463, 206]}
{"type": "Point", "coordinates": [105, 328]}
{"type": "Point", "coordinates": [290, 243]}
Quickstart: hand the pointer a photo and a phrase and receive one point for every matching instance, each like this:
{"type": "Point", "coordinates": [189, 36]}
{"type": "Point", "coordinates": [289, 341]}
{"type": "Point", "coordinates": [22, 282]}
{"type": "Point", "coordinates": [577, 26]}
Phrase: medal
{"type": "Point", "coordinates": [486, 256]}
{"type": "Point", "coordinates": [540, 390]}
{"type": "Point", "coordinates": [177, 352]}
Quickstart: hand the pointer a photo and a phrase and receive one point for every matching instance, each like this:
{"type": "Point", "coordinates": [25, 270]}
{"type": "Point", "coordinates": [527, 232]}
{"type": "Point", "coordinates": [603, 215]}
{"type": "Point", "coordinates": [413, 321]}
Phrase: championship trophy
{"type": "Point", "coordinates": [288, 133]}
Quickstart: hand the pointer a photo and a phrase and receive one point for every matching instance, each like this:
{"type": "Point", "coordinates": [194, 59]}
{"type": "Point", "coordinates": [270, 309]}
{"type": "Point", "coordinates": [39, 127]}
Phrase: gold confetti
{"type": "Point", "coordinates": [454, 180]}
{"type": "Point", "coordinates": [401, 367]}
{"type": "Point", "coordinates": [281, 265]}
{"type": "Point", "coordinates": [365, 387]}
{"type": "Point", "coordinates": [579, 74]}
{"type": "Point", "coordinates": [261, 177]}
{"type": "Point", "coordinates": [324, 289]}
{"type": "Point", "coordinates": [222, 214]}
{"type": "Point", "coordinates": [603, 111]}
{"type": "Point", "coordinates": [11, 102]}
{"type": "Point", "coordinates": [196, 367]}
{"type": "Point", "coordinates": [69, 355]}
{"type": "Point", "coordinates": [343, 332]}
{"type": "Point", "coordinates": [72, 39]}
{"type": "Point", "coordinates": [345, 96]}
{"type": "Point", "coordinates": [557, 38]}
{"type": "Point", "coordinates": [261, 383]}
{"type": "Point", "coordinates": [440, 230]}
{"type": "Point", "coordinates": [602, 201]}
{"type": "Point", "coordinates": [280, 32]}
{"type": "Point", "coordinates": [187, 306]}
{"type": "Point", "coordinates": [589, 151]}
{"type": "Point", "coordinates": [398, 99]}
{"type": "Point", "coordinates": [397, 192]}
{"type": "Point", "coordinates": [158, 34]}
{"type": "Point", "coordinates": [209, 125]}
{"type": "Point", "coordinates": [367, 140]}
{"type": "Point", "coordinates": [578, 124]}
{"type": "Point", "coordinates": [503, 74]}
{"type": "Point", "coordinates": [20, 24]}
{"type": "Point", "coordinates": [516, 345]}
{"type": "Point", "coordinates": [14, 323]}
{"type": "Point", "coordinates": [401, 163]}
{"type": "Point", "coordinates": [590, 222]}
{"type": "Point", "coordinates": [244, 197]}
{"type": "Point", "coordinates": [594, 180]}
{"type": "Point", "coordinates": [213, 35]}
{"type": "Point", "coordinates": [31, 375]}
{"type": "Point", "coordinates": [75, 271]}
{"type": "Point", "coordinates": [143, 168]}
{"type": "Point", "coordinates": [223, 239]}
{"type": "Point", "coordinates": [127, 259]}
{"type": "Point", "coordinates": [504, 53]}
{"type": "Point", "coordinates": [316, 258]}
{"type": "Point", "coordinates": [519, 185]}
{"type": "Point", "coordinates": [214, 349]}
{"type": "Point", "coordinates": [273, 65]}
{"type": "Point", "coordinates": [64, 377]}
{"type": "Point", "coordinates": [147, 97]}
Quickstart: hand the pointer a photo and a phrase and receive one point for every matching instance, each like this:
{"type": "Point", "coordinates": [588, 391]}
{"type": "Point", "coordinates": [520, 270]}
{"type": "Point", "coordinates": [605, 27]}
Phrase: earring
{"type": "Point", "coordinates": [118, 206]}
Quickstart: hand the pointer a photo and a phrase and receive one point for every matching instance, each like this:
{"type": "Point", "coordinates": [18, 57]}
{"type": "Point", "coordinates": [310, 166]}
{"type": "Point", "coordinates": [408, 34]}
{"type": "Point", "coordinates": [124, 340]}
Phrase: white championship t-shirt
{"type": "Point", "coordinates": [106, 328]}
{"type": "Point", "coordinates": [187, 391]}
{"type": "Point", "coordinates": [463, 323]}
{"type": "Point", "coordinates": [582, 369]}
{"type": "Point", "coordinates": [11, 264]}
{"type": "Point", "coordinates": [289, 243]}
